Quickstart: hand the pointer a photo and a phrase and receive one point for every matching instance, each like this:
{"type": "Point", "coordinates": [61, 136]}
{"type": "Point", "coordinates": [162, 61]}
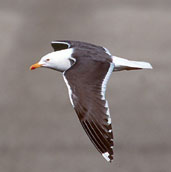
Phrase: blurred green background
{"type": "Point", "coordinates": [39, 130]}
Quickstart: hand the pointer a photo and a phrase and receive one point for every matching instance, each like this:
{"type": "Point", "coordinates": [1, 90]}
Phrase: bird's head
{"type": "Point", "coordinates": [46, 61]}
{"type": "Point", "coordinates": [58, 60]}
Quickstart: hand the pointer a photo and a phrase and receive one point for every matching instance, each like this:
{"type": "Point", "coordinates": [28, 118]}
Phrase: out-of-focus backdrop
{"type": "Point", "coordinates": [39, 130]}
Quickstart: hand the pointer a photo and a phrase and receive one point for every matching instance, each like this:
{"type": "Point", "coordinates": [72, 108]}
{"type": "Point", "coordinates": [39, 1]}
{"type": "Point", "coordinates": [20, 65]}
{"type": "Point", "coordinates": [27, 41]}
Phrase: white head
{"type": "Point", "coordinates": [58, 60]}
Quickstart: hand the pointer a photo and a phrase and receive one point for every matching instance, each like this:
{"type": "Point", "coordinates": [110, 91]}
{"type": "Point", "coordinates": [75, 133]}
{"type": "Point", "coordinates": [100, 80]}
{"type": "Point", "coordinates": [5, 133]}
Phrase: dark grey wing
{"type": "Point", "coordinates": [60, 45]}
{"type": "Point", "coordinates": [86, 81]}
{"type": "Point", "coordinates": [64, 44]}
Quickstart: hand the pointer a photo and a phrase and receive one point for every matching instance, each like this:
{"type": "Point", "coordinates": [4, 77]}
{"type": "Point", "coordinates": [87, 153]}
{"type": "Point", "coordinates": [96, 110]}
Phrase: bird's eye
{"type": "Point", "coordinates": [47, 60]}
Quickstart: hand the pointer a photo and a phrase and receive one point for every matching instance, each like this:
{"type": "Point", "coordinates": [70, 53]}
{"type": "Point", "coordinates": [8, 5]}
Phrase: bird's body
{"type": "Point", "coordinates": [86, 69]}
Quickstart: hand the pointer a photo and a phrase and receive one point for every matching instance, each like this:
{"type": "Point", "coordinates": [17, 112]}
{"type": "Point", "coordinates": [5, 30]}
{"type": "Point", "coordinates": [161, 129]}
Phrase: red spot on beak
{"type": "Point", "coordinates": [32, 68]}
{"type": "Point", "coordinates": [35, 66]}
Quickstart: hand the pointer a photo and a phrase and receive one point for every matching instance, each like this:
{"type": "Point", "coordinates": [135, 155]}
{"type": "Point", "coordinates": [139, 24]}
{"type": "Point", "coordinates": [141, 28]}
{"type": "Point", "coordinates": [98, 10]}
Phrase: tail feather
{"type": "Point", "coordinates": [124, 64]}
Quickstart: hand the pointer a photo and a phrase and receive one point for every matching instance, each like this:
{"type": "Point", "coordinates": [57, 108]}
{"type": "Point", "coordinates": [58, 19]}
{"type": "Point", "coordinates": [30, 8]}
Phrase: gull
{"type": "Point", "coordinates": [86, 70]}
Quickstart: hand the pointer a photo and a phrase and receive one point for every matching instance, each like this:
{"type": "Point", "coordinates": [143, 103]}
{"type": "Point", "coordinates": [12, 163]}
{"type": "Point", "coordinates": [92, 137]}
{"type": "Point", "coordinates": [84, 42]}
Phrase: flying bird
{"type": "Point", "coordinates": [86, 70]}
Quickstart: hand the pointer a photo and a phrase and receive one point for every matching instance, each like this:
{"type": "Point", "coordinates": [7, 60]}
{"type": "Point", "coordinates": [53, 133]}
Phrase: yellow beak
{"type": "Point", "coordinates": [34, 66]}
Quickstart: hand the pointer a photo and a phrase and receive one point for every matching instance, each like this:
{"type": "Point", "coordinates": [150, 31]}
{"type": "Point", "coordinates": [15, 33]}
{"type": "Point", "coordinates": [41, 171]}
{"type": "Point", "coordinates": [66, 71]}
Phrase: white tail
{"type": "Point", "coordinates": [124, 64]}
